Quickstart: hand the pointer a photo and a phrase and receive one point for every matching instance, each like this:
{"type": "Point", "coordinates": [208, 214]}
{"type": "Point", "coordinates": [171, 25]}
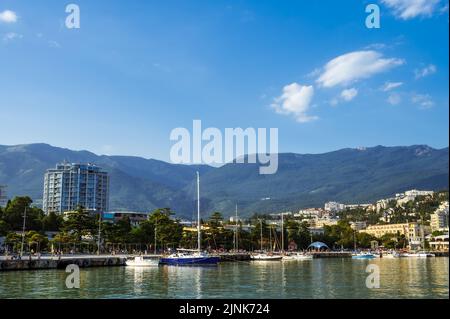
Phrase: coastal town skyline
{"type": "Point", "coordinates": [224, 158]}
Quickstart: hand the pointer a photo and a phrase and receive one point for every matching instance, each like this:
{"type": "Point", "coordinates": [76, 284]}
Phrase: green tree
{"type": "Point", "coordinates": [52, 222]}
{"type": "Point", "coordinates": [36, 241]}
{"type": "Point", "coordinates": [304, 236]}
{"type": "Point", "coordinates": [79, 223]}
{"type": "Point", "coordinates": [216, 219]}
{"type": "Point", "coordinates": [144, 234]}
{"type": "Point", "coordinates": [168, 231]}
{"type": "Point", "coordinates": [364, 240]}
{"type": "Point", "coordinates": [4, 228]}
{"type": "Point", "coordinates": [14, 212]}
{"type": "Point", "coordinates": [13, 240]}
{"type": "Point", "coordinates": [119, 232]}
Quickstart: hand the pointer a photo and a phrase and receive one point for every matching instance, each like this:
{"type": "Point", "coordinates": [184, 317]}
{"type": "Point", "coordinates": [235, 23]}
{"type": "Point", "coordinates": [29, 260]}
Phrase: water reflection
{"type": "Point", "coordinates": [318, 278]}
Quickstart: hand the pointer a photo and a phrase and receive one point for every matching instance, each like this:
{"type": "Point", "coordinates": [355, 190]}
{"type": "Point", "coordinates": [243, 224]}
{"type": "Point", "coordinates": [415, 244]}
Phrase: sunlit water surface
{"type": "Point", "coordinates": [318, 278]}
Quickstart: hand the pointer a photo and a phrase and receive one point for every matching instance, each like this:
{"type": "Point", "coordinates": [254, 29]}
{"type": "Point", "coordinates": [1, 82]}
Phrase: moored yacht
{"type": "Point", "coordinates": [420, 254]}
{"type": "Point", "coordinates": [197, 258]}
{"type": "Point", "coordinates": [266, 257]}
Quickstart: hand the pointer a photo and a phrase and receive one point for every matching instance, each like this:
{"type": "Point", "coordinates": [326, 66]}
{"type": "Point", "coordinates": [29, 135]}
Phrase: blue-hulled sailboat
{"type": "Point", "coordinates": [183, 257]}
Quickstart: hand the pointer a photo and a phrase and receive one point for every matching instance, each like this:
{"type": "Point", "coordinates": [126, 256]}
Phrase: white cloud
{"type": "Point", "coordinates": [394, 99]}
{"type": "Point", "coordinates": [423, 100]}
{"type": "Point", "coordinates": [376, 46]}
{"type": "Point", "coordinates": [8, 16]}
{"type": "Point", "coordinates": [428, 70]}
{"type": "Point", "coordinates": [54, 44]}
{"type": "Point", "coordinates": [409, 9]}
{"type": "Point", "coordinates": [334, 101]}
{"type": "Point", "coordinates": [349, 94]}
{"type": "Point", "coordinates": [11, 36]}
{"type": "Point", "coordinates": [314, 73]}
{"type": "Point", "coordinates": [295, 101]}
{"type": "Point", "coordinates": [354, 66]}
{"type": "Point", "coordinates": [388, 86]}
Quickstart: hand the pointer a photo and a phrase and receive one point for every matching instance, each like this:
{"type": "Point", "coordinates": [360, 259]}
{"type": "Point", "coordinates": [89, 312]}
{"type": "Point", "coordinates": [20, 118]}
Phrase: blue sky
{"type": "Point", "coordinates": [137, 69]}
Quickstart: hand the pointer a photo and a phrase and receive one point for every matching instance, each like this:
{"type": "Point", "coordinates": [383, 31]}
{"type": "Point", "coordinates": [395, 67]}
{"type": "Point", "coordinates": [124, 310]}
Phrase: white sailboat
{"type": "Point", "coordinates": [262, 256]}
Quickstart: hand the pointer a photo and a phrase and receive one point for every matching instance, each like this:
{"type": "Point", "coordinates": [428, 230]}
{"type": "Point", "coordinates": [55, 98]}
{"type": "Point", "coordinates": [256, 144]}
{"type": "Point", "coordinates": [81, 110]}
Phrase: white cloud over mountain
{"type": "Point", "coordinates": [354, 66]}
{"type": "Point", "coordinates": [295, 101]}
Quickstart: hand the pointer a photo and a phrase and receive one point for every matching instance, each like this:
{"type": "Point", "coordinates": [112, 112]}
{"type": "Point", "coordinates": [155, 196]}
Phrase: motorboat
{"type": "Point", "coordinates": [363, 256]}
{"type": "Point", "coordinates": [303, 257]}
{"type": "Point", "coordinates": [394, 254]}
{"type": "Point", "coordinates": [420, 254]}
{"type": "Point", "coordinates": [142, 261]}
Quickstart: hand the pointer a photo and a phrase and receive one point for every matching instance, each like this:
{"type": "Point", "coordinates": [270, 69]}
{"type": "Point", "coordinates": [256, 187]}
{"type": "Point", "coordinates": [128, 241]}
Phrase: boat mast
{"type": "Point", "coordinates": [270, 238]}
{"type": "Point", "coordinates": [99, 232]}
{"type": "Point", "coordinates": [282, 232]}
{"type": "Point", "coordinates": [199, 237]}
{"type": "Point", "coordinates": [236, 232]}
{"type": "Point", "coordinates": [260, 222]}
{"type": "Point", "coordinates": [156, 225]}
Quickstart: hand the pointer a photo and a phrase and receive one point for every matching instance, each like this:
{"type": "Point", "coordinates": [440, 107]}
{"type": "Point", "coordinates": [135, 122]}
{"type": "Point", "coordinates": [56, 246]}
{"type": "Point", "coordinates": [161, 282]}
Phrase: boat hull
{"type": "Point", "coordinates": [303, 257]}
{"type": "Point", "coordinates": [368, 256]}
{"type": "Point", "coordinates": [142, 264]}
{"type": "Point", "coordinates": [266, 258]}
{"type": "Point", "coordinates": [190, 261]}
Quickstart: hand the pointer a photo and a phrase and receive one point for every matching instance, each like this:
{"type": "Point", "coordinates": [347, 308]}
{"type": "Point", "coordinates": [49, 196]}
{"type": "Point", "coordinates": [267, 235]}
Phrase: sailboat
{"type": "Point", "coordinates": [264, 256]}
{"type": "Point", "coordinates": [192, 257]}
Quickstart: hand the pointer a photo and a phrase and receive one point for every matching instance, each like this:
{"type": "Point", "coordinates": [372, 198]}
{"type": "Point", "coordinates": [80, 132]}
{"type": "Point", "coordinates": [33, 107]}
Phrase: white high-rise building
{"type": "Point", "coordinates": [71, 185]}
{"type": "Point", "coordinates": [334, 207]}
{"type": "Point", "coordinates": [439, 220]}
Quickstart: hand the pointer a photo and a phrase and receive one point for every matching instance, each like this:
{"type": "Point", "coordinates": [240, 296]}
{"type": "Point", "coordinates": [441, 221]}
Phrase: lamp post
{"type": "Point", "coordinates": [99, 232]}
{"type": "Point", "coordinates": [23, 231]}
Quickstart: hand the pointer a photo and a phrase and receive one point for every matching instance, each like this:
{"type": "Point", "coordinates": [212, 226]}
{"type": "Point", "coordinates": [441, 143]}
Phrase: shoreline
{"type": "Point", "coordinates": [89, 261]}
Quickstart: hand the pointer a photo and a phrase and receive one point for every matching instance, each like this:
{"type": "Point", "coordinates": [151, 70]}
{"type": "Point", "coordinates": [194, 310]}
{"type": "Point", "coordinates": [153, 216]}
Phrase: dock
{"type": "Point", "coordinates": [51, 262]}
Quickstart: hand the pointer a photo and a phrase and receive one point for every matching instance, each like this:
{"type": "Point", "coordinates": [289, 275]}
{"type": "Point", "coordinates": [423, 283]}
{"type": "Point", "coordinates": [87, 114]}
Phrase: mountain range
{"type": "Point", "coordinates": [303, 180]}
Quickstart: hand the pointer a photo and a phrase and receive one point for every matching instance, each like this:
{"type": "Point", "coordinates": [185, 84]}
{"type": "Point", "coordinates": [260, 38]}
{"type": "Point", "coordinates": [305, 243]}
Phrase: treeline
{"type": "Point", "coordinates": [80, 231]}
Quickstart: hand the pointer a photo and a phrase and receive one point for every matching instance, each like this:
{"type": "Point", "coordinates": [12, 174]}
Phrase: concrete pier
{"type": "Point", "coordinates": [60, 263]}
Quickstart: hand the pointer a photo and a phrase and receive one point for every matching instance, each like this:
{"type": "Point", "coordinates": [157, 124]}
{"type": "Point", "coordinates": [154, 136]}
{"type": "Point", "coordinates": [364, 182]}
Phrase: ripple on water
{"type": "Point", "coordinates": [318, 278]}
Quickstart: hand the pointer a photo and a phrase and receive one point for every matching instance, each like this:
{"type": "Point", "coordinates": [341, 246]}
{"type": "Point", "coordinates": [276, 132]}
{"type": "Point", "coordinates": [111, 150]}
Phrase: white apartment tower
{"type": "Point", "coordinates": [68, 186]}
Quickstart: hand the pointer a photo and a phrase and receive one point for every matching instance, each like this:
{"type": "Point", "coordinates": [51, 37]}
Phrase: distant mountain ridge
{"type": "Point", "coordinates": [303, 180]}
